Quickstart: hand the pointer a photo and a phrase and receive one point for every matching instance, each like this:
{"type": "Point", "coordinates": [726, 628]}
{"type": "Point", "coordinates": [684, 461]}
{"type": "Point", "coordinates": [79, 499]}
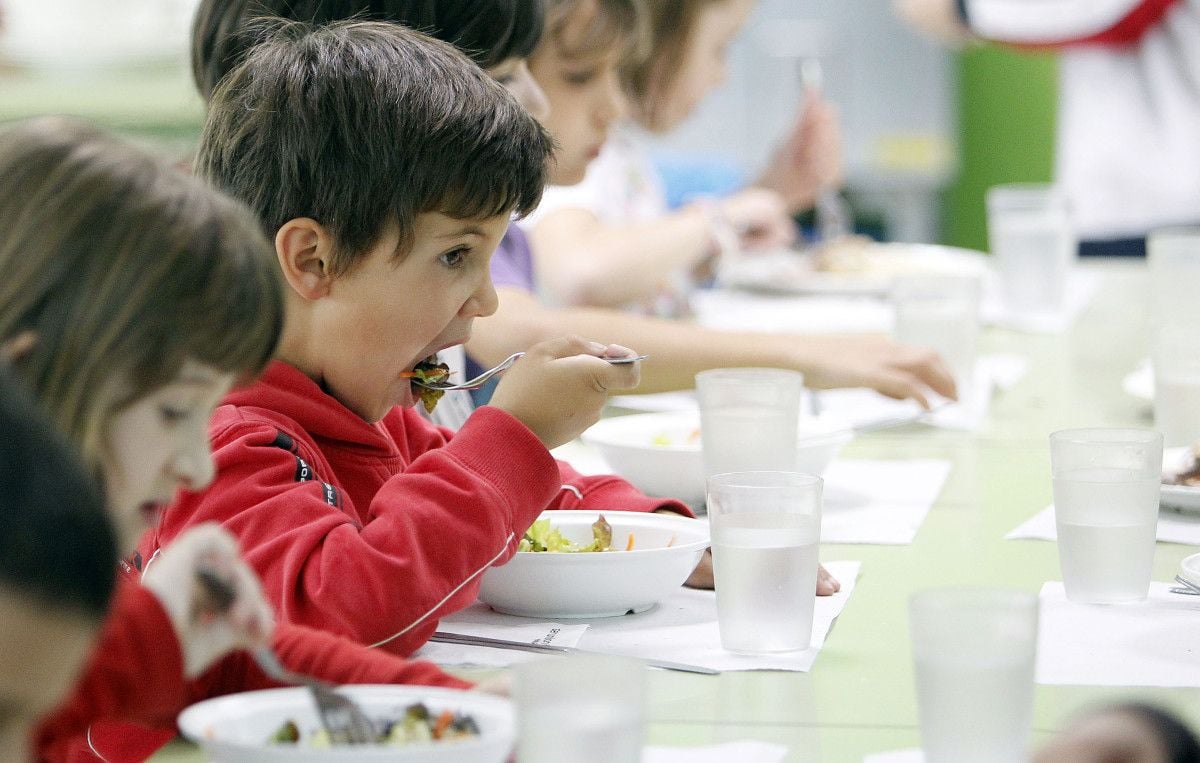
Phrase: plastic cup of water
{"type": "Point", "coordinates": [585, 708]}
{"type": "Point", "coordinates": [974, 649]}
{"type": "Point", "coordinates": [749, 418]}
{"type": "Point", "coordinates": [1106, 492]}
{"type": "Point", "coordinates": [941, 313]}
{"type": "Point", "coordinates": [1034, 246]}
{"type": "Point", "coordinates": [1173, 260]}
{"type": "Point", "coordinates": [766, 533]}
{"type": "Point", "coordinates": [1175, 357]}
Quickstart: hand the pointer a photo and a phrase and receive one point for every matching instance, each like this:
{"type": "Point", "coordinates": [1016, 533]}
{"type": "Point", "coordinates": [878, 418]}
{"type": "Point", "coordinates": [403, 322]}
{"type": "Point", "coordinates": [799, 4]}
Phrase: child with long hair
{"type": "Point", "coordinates": [135, 298]}
{"type": "Point", "coordinates": [580, 65]}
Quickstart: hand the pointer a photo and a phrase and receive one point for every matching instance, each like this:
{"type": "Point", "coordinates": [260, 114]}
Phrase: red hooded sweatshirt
{"type": "Point", "coordinates": [374, 531]}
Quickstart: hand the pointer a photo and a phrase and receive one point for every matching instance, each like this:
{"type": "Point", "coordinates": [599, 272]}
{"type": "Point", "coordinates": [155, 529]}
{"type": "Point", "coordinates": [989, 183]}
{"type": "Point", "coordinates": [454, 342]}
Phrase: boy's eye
{"type": "Point", "coordinates": [455, 258]}
{"type": "Point", "coordinates": [503, 79]}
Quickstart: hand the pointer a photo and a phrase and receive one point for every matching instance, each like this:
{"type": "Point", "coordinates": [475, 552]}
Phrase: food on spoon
{"type": "Point", "coordinates": [417, 724]}
{"type": "Point", "coordinates": [428, 371]}
{"type": "Point", "coordinates": [541, 536]}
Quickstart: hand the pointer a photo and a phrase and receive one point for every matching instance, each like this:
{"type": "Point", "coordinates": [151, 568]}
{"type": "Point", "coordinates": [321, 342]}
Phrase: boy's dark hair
{"type": "Point", "coordinates": [489, 31]}
{"type": "Point", "coordinates": [57, 546]}
{"type": "Point", "coordinates": [363, 125]}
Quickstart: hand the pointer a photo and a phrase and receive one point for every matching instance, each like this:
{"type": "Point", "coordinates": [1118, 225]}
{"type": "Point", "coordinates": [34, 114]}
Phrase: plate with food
{"type": "Point", "coordinates": [850, 265]}
{"type": "Point", "coordinates": [660, 452]}
{"type": "Point", "coordinates": [415, 724]}
{"type": "Point", "coordinates": [1181, 480]}
{"type": "Point", "coordinates": [595, 564]}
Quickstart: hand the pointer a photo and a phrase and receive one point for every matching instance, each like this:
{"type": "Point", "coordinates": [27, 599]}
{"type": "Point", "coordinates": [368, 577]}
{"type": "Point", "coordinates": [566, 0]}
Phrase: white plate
{"type": "Point", "coordinates": [660, 452]}
{"type": "Point", "coordinates": [235, 728]}
{"type": "Point", "coordinates": [871, 271]}
{"type": "Point", "coordinates": [1139, 382]}
{"type": "Point", "coordinates": [1178, 497]}
{"type": "Point", "coordinates": [667, 547]}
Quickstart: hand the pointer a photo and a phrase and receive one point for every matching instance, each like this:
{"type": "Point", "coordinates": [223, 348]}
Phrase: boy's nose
{"type": "Point", "coordinates": [484, 301]}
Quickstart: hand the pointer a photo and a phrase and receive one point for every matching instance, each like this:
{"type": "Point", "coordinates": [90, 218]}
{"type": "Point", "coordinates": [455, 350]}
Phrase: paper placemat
{"type": "Point", "coordinates": [879, 501]}
{"type": "Point", "coordinates": [1172, 527]}
{"type": "Point", "coordinates": [746, 751]}
{"type": "Point", "coordinates": [546, 634]}
{"type": "Point", "coordinates": [682, 629]}
{"type": "Point", "coordinates": [1146, 643]}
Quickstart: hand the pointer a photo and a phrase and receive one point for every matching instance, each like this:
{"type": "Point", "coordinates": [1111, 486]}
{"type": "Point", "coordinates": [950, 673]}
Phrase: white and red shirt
{"type": "Point", "coordinates": [1128, 155]}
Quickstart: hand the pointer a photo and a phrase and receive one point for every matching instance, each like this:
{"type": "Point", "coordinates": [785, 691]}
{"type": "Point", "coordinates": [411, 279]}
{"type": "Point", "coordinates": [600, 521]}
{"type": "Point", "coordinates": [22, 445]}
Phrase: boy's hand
{"type": "Point", "coordinates": [702, 577]}
{"type": "Point", "coordinates": [559, 387]}
{"type": "Point", "coordinates": [214, 618]}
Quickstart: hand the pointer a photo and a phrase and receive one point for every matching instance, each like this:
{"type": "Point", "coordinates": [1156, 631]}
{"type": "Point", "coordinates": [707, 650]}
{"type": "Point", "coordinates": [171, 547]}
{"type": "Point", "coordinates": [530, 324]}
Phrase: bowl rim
{"type": "Point", "coordinates": [501, 706]}
{"type": "Point", "coordinates": [664, 519]}
{"type": "Point", "coordinates": [835, 431]}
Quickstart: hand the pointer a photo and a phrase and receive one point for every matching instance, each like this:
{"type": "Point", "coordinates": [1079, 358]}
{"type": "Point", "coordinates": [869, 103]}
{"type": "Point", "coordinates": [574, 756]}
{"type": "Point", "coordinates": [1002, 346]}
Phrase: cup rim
{"type": "Point", "coordinates": [728, 479]}
{"type": "Point", "coordinates": [749, 375]}
{"type": "Point", "coordinates": [1024, 190]}
{"type": "Point", "coordinates": [951, 597]}
{"type": "Point", "coordinates": [1106, 436]}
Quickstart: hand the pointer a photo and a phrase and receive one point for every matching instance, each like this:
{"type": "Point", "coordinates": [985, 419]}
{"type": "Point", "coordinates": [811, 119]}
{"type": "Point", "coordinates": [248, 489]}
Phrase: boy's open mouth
{"type": "Point", "coordinates": [429, 370]}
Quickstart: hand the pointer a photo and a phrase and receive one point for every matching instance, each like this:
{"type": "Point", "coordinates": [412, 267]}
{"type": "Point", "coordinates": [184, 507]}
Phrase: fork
{"type": "Point", "coordinates": [344, 721]}
{"type": "Point", "coordinates": [503, 365]}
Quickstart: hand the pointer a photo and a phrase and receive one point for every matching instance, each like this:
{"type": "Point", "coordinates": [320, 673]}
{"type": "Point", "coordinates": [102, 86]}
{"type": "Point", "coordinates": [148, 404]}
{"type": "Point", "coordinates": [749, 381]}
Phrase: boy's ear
{"type": "Point", "coordinates": [304, 250]}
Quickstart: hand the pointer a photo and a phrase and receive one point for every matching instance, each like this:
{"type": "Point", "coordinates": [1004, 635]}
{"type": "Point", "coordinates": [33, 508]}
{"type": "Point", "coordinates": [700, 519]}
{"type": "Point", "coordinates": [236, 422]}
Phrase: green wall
{"type": "Point", "coordinates": [1006, 133]}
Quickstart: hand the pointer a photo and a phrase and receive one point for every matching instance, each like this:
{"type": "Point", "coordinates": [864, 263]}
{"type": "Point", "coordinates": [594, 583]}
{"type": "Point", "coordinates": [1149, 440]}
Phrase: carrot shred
{"type": "Point", "coordinates": [443, 722]}
{"type": "Point", "coordinates": [629, 543]}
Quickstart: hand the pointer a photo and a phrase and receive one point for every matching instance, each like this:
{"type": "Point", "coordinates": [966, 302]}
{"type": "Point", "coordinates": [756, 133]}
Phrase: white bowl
{"type": "Point", "coordinates": [235, 728]}
{"type": "Point", "coordinates": [660, 452]}
{"type": "Point", "coordinates": [599, 584]}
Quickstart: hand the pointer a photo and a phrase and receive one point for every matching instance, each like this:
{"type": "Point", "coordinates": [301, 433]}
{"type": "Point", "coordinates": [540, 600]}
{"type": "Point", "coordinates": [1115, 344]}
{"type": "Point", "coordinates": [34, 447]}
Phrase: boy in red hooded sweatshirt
{"type": "Point", "coordinates": [386, 168]}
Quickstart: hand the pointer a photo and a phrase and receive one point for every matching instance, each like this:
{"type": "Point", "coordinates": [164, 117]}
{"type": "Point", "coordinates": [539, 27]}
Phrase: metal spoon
{"type": "Point", "coordinates": [503, 365]}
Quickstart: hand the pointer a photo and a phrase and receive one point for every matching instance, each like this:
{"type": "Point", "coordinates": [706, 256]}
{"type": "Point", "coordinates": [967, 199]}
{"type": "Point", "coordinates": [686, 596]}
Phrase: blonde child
{"type": "Point", "coordinates": [360, 516]}
{"type": "Point", "coordinates": [135, 298]}
{"type": "Point", "coordinates": [609, 239]}
{"type": "Point", "coordinates": [579, 64]}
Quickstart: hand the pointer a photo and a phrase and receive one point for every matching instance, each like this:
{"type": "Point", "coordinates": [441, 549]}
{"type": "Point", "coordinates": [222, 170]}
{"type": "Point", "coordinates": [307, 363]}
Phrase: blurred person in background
{"type": "Point", "coordinates": [1128, 144]}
